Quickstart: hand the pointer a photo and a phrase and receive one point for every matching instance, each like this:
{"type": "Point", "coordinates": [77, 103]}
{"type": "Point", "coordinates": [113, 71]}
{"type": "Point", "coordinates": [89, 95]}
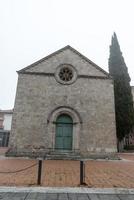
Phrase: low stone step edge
{"type": "Point", "coordinates": [68, 190]}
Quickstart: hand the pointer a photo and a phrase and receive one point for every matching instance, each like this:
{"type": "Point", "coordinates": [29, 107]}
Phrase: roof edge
{"type": "Point", "coordinates": [43, 59]}
{"type": "Point", "coordinates": [89, 61]}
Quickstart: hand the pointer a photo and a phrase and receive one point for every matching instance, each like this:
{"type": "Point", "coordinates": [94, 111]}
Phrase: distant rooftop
{"type": "Point", "coordinates": [6, 111]}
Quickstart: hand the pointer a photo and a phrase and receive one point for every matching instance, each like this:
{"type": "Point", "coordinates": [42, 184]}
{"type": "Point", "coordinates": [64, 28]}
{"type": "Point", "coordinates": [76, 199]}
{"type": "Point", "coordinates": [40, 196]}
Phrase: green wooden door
{"type": "Point", "coordinates": [64, 129]}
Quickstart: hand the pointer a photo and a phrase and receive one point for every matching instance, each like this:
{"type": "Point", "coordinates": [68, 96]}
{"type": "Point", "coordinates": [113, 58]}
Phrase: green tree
{"type": "Point", "coordinates": [122, 89]}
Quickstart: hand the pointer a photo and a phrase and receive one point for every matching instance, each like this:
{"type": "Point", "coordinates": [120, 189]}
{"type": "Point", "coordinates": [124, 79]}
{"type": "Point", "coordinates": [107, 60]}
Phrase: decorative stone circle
{"type": "Point", "coordinates": [66, 74]}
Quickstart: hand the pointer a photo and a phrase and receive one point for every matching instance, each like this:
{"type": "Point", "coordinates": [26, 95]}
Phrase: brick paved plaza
{"type": "Point", "coordinates": [101, 174]}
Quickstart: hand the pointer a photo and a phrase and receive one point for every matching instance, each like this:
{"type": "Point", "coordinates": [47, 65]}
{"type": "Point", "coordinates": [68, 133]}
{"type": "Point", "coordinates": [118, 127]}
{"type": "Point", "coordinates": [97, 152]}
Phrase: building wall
{"type": "Point", "coordinates": [40, 99]}
{"type": "Point", "coordinates": [7, 121]}
{"type": "Point", "coordinates": [5, 126]}
{"type": "Point", "coordinates": [38, 96]}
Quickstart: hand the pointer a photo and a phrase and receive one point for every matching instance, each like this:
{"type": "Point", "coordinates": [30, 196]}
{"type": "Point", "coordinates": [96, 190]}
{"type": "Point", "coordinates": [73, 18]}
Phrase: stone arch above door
{"type": "Point", "coordinates": [77, 125]}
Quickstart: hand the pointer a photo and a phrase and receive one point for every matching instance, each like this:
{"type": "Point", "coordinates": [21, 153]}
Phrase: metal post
{"type": "Point", "coordinates": [39, 172]}
{"type": "Point", "coordinates": [81, 172]}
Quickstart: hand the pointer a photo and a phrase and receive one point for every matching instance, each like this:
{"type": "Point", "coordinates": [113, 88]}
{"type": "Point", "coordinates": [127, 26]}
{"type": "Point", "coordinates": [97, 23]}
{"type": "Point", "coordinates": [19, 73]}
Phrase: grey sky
{"type": "Point", "coordinates": [32, 29]}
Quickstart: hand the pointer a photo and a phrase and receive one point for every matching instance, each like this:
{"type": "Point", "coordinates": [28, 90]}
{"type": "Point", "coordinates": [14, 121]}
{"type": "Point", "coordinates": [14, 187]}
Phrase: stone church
{"type": "Point", "coordinates": [64, 105]}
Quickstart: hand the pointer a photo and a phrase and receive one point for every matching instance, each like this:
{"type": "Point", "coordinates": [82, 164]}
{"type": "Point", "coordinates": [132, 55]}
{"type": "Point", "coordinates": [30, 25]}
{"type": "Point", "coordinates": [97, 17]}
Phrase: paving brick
{"type": "Point", "coordinates": [39, 196]}
{"type": "Point", "coordinates": [14, 196]}
{"type": "Point", "coordinates": [62, 197]}
{"type": "Point", "coordinates": [72, 196]}
{"type": "Point", "coordinates": [51, 196]}
{"type": "Point", "coordinates": [108, 197]}
{"type": "Point", "coordinates": [93, 197]}
{"type": "Point", "coordinates": [32, 195]}
{"type": "Point", "coordinates": [82, 197]}
{"type": "Point", "coordinates": [126, 197]}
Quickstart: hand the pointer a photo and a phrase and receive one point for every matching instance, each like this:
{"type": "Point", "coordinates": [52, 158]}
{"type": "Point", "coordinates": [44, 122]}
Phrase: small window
{"type": "Point", "coordinates": [66, 74]}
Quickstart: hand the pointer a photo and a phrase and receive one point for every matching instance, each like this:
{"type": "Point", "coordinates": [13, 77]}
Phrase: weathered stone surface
{"type": "Point", "coordinates": [40, 98]}
{"type": "Point", "coordinates": [65, 196]}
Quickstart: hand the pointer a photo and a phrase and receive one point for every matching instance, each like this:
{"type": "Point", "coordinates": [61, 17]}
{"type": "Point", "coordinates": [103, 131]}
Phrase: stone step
{"type": "Point", "coordinates": [63, 153]}
{"type": "Point", "coordinates": [63, 156]}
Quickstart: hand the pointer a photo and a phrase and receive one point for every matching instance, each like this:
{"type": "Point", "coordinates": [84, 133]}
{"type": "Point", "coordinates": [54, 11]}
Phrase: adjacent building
{"type": "Point", "coordinates": [5, 126]}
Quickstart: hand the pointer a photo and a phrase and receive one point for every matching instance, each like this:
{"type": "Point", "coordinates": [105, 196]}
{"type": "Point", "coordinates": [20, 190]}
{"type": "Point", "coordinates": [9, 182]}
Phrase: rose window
{"type": "Point", "coordinates": [66, 74]}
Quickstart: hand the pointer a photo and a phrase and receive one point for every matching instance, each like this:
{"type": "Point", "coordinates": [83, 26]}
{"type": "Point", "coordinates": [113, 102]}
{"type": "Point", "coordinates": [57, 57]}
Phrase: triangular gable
{"type": "Point", "coordinates": [26, 69]}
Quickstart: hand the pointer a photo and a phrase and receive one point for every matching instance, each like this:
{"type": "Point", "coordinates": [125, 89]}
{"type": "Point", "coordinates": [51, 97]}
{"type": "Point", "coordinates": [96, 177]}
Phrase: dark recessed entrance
{"type": "Point", "coordinates": [64, 130]}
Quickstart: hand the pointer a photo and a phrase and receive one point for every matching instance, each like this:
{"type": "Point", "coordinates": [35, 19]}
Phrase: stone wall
{"type": "Point", "coordinates": [39, 100]}
{"type": "Point", "coordinates": [37, 96]}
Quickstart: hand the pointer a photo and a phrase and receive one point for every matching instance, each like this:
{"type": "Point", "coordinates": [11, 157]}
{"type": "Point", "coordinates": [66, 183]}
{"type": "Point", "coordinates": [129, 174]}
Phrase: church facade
{"type": "Point", "coordinates": [64, 103]}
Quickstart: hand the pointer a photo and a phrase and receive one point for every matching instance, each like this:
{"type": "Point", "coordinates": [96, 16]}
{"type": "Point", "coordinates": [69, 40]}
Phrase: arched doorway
{"type": "Point", "coordinates": [64, 132]}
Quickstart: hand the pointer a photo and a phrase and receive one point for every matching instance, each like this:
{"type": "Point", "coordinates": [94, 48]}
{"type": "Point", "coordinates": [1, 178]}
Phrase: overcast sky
{"type": "Point", "coordinates": [32, 29]}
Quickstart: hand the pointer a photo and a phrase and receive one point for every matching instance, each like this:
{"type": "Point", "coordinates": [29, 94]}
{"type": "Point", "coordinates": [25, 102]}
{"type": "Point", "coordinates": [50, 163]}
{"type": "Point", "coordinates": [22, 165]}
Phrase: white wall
{"type": "Point", "coordinates": [7, 121]}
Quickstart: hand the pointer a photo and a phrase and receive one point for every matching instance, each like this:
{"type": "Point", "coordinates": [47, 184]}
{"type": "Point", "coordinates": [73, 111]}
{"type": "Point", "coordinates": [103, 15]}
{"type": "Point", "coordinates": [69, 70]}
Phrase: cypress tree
{"type": "Point", "coordinates": [123, 97]}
